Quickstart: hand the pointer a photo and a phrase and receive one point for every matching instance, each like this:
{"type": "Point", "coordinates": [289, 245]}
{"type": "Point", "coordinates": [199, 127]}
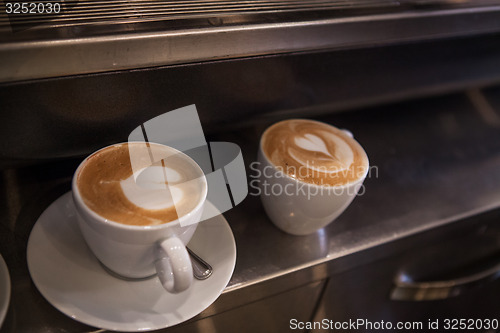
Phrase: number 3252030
{"type": "Point", "coordinates": [32, 7]}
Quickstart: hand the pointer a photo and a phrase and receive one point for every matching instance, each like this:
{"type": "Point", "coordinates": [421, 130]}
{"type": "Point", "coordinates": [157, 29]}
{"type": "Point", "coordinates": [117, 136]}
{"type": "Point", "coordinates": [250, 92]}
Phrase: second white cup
{"type": "Point", "coordinates": [298, 207]}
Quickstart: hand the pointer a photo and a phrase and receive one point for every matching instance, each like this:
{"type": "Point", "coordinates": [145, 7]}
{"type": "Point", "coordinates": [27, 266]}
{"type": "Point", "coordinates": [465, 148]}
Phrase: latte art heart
{"type": "Point", "coordinates": [307, 147]}
{"type": "Point", "coordinates": [122, 184]}
{"type": "Point", "coordinates": [149, 189]}
{"type": "Point", "coordinates": [314, 152]}
{"type": "Point", "coordinates": [312, 143]}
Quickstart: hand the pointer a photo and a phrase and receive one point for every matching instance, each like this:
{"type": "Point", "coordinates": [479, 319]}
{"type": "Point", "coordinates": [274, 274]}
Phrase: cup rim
{"type": "Point", "coordinates": [285, 175]}
{"type": "Point", "coordinates": [102, 219]}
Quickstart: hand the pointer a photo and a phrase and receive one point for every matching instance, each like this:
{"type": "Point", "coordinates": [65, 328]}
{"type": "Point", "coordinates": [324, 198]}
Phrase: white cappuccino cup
{"type": "Point", "coordinates": [306, 174]}
{"type": "Point", "coordinates": [107, 208]}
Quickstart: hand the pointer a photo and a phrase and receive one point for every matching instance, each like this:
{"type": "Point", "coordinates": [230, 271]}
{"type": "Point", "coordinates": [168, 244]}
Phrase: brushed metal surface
{"type": "Point", "coordinates": [271, 314]}
{"type": "Point", "coordinates": [407, 290]}
{"type": "Point", "coordinates": [366, 292]}
{"type": "Point", "coordinates": [71, 117]}
{"type": "Point", "coordinates": [34, 53]}
{"type": "Point", "coordinates": [78, 13]}
{"type": "Point", "coordinates": [438, 162]}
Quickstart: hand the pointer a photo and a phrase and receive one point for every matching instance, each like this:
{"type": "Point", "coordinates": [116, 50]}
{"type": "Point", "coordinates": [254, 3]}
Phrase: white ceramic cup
{"type": "Point", "coordinates": [301, 208]}
{"type": "Point", "coordinates": [137, 252]}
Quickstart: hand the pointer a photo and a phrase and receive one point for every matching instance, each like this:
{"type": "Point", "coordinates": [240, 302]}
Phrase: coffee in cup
{"type": "Point", "coordinates": [309, 173]}
{"type": "Point", "coordinates": [314, 152]}
{"type": "Point", "coordinates": [143, 191]}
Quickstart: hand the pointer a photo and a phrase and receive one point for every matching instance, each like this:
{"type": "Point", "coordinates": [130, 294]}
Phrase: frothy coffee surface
{"type": "Point", "coordinates": [314, 152]}
{"type": "Point", "coordinates": [140, 184]}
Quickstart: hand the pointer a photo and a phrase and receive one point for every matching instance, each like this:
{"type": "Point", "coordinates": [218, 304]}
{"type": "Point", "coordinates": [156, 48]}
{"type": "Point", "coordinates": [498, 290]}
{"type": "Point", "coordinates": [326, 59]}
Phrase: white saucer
{"type": "Point", "coordinates": [4, 290]}
{"type": "Point", "coordinates": [72, 280]}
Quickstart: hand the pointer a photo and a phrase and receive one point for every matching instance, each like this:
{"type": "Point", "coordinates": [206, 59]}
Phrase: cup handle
{"type": "Point", "coordinates": [173, 265]}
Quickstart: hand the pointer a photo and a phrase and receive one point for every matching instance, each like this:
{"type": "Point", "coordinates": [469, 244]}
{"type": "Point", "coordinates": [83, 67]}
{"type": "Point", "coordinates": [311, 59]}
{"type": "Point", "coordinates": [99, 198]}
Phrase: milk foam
{"type": "Point", "coordinates": [341, 159]}
{"type": "Point", "coordinates": [314, 152]}
{"type": "Point", "coordinates": [122, 184]}
{"type": "Point", "coordinates": [148, 189]}
{"type": "Point", "coordinates": [313, 143]}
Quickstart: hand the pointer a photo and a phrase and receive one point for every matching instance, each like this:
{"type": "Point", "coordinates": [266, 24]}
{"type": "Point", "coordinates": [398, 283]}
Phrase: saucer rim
{"type": "Point", "coordinates": [121, 326]}
{"type": "Point", "coordinates": [6, 284]}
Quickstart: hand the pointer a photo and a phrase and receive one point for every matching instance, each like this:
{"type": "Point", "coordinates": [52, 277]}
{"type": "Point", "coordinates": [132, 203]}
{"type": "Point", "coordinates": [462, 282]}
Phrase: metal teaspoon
{"type": "Point", "coordinates": [201, 269]}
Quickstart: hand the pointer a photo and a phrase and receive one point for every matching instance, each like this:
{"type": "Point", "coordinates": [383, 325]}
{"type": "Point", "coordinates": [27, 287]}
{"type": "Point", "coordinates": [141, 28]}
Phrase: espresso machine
{"type": "Point", "coordinates": [417, 82]}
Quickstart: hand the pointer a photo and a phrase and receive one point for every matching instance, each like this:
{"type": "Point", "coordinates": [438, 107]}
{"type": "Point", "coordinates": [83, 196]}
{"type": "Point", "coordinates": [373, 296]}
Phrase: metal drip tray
{"type": "Point", "coordinates": [101, 36]}
{"type": "Point", "coordinates": [77, 13]}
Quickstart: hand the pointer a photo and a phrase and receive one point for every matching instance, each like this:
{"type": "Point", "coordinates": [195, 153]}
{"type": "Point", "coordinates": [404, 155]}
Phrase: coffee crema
{"type": "Point", "coordinates": [314, 152]}
{"type": "Point", "coordinates": [140, 183]}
